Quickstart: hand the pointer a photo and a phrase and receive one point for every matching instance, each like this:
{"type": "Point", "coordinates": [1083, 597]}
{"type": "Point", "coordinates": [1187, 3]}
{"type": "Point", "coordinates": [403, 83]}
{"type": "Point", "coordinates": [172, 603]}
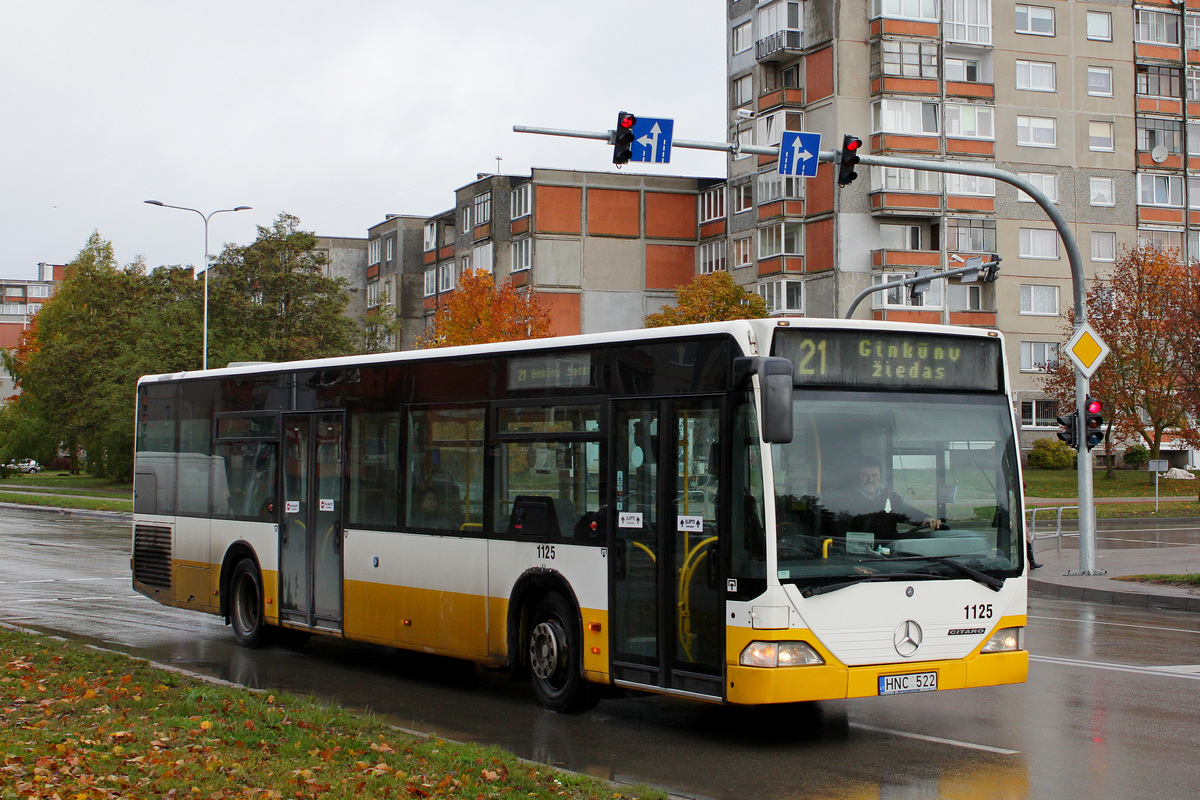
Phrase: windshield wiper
{"type": "Point", "coordinates": [809, 591]}
{"type": "Point", "coordinates": [995, 584]}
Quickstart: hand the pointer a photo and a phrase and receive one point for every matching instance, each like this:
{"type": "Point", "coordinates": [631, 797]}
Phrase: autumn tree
{"type": "Point", "coordinates": [1142, 312]}
{"type": "Point", "coordinates": [478, 311]}
{"type": "Point", "coordinates": [709, 298]}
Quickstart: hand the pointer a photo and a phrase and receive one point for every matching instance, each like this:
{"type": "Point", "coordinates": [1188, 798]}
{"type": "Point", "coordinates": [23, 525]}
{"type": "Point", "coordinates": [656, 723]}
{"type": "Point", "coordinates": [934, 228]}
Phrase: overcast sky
{"type": "Point", "coordinates": [337, 112]}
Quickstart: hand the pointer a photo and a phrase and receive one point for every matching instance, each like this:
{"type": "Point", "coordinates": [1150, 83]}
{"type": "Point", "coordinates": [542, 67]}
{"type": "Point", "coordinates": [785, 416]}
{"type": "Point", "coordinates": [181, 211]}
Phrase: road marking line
{"type": "Point", "coordinates": [935, 739]}
{"type": "Point", "coordinates": [1117, 624]}
{"type": "Point", "coordinates": [46, 580]}
{"type": "Point", "coordinates": [1181, 669]}
{"type": "Point", "coordinates": [1156, 671]}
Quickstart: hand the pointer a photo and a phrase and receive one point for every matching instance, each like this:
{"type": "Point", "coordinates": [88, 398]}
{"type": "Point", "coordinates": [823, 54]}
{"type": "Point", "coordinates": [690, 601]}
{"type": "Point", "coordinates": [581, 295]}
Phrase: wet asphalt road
{"type": "Point", "coordinates": [1111, 709]}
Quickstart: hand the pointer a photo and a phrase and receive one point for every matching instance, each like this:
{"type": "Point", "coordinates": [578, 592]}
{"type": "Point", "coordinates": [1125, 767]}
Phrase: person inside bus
{"type": "Point", "coordinates": [427, 513]}
{"type": "Point", "coordinates": [874, 507]}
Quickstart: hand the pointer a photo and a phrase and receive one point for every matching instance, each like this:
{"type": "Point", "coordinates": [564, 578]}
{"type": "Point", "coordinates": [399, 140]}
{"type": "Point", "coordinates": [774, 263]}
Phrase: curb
{"type": "Point", "coordinates": [1190, 603]}
{"type": "Point", "coordinates": [72, 512]}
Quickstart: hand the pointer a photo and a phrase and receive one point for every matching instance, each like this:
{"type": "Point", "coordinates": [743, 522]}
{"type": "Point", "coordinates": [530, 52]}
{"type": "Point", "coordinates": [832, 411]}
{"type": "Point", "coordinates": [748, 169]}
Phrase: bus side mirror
{"type": "Point", "coordinates": [775, 387]}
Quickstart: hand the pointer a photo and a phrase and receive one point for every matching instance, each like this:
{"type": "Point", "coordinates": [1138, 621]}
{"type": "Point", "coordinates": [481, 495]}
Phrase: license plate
{"type": "Point", "coordinates": [902, 684]}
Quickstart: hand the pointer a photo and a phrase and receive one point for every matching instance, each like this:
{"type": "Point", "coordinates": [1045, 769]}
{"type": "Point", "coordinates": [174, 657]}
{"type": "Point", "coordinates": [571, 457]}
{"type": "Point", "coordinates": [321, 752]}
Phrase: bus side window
{"type": "Point", "coordinates": [533, 517]}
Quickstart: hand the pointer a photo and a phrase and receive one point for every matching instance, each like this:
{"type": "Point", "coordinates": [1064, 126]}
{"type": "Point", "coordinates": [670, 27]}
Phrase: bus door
{"type": "Point", "coordinates": [666, 620]}
{"type": "Point", "coordinates": [310, 535]}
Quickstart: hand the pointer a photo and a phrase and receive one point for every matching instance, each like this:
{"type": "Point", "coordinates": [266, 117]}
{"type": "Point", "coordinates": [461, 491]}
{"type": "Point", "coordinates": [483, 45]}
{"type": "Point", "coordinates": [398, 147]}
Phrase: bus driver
{"type": "Point", "coordinates": [876, 508]}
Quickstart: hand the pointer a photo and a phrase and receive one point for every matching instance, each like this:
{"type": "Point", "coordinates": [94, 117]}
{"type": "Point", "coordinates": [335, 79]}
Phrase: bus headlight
{"type": "Point", "coordinates": [779, 654]}
{"type": "Point", "coordinates": [1005, 640]}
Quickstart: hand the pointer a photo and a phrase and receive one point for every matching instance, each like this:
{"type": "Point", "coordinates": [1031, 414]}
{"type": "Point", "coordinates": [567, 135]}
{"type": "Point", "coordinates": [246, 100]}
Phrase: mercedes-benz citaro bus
{"type": "Point", "coordinates": [749, 512]}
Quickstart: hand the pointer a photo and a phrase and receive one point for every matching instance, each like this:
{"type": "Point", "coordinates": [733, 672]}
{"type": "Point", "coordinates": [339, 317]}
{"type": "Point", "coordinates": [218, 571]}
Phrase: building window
{"type": "Point", "coordinates": [430, 240]}
{"type": "Point", "coordinates": [519, 201]}
{"type": "Point", "coordinates": [741, 252]}
{"type": "Point", "coordinates": [1100, 81]}
{"type": "Point", "coordinates": [900, 237]}
{"type": "Point", "coordinates": [372, 293]}
{"type": "Point", "coordinates": [1037, 132]}
{"type": "Point", "coordinates": [782, 239]}
{"type": "Point", "coordinates": [483, 208]}
{"type": "Point", "coordinates": [969, 121]}
{"type": "Point", "coordinates": [1039, 300]}
{"type": "Point", "coordinates": [905, 116]}
{"type": "Point", "coordinates": [1191, 31]}
{"type": "Point", "coordinates": [1155, 27]}
{"type": "Point", "coordinates": [1156, 81]}
{"type": "Point", "coordinates": [1037, 243]}
{"type": "Point", "coordinates": [431, 282]}
{"type": "Point", "coordinates": [970, 185]}
{"type": "Point", "coordinates": [743, 37]}
{"type": "Point", "coordinates": [968, 21]}
{"type": "Point", "coordinates": [1036, 356]}
{"type": "Point", "coordinates": [906, 9]}
{"type": "Point", "coordinates": [745, 138]}
{"type": "Point", "coordinates": [1101, 192]}
{"type": "Point", "coordinates": [1034, 20]}
{"type": "Point", "coordinates": [465, 218]}
{"type": "Point", "coordinates": [1160, 190]}
{"type": "Point", "coordinates": [1046, 181]}
{"type": "Point", "coordinates": [904, 59]}
{"type": "Point", "coordinates": [965, 296]}
{"type": "Point", "coordinates": [897, 179]}
{"type": "Point", "coordinates": [743, 197]}
{"type": "Point", "coordinates": [1104, 246]}
{"type": "Point", "coordinates": [373, 251]}
{"type": "Point", "coordinates": [1036, 76]}
{"type": "Point", "coordinates": [772, 186]}
{"type": "Point", "coordinates": [712, 204]}
{"type": "Point", "coordinates": [970, 235]}
{"type": "Point", "coordinates": [481, 257]}
{"type": "Point", "coordinates": [963, 70]}
{"type": "Point", "coordinates": [1100, 136]}
{"type": "Point", "coordinates": [1163, 240]}
{"type": "Point", "coordinates": [783, 296]}
{"type": "Point", "coordinates": [522, 254]}
{"type": "Point", "coordinates": [712, 257]}
{"type": "Point", "coordinates": [39, 290]}
{"type": "Point", "coordinates": [1153, 132]}
{"type": "Point", "coordinates": [771, 126]}
{"type": "Point", "coordinates": [901, 297]}
{"type": "Point", "coordinates": [1099, 26]}
{"type": "Point", "coordinates": [1039, 414]}
{"type": "Point", "coordinates": [743, 90]}
{"type": "Point", "coordinates": [446, 277]}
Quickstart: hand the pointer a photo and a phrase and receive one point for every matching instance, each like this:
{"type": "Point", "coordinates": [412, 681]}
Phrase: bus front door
{"type": "Point", "coordinates": [666, 620]}
{"type": "Point", "coordinates": [310, 536]}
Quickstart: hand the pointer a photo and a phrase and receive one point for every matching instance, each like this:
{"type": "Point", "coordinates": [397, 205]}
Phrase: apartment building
{"type": "Point", "coordinates": [1089, 101]}
{"type": "Point", "coordinates": [21, 300]}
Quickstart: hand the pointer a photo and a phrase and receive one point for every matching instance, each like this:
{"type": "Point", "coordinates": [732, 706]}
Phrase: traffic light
{"type": "Point", "coordinates": [1069, 432]}
{"type": "Point", "coordinates": [622, 138]}
{"type": "Point", "coordinates": [848, 159]}
{"type": "Point", "coordinates": [989, 270]}
{"type": "Point", "coordinates": [1093, 422]}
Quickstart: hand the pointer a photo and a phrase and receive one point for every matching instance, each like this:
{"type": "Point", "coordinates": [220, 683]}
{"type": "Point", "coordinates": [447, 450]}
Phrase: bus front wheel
{"type": "Point", "coordinates": [246, 604]}
{"type": "Point", "coordinates": [555, 658]}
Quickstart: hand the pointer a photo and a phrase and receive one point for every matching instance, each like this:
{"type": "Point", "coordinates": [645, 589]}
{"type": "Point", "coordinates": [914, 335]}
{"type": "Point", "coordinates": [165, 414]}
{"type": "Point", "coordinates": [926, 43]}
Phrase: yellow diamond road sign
{"type": "Point", "coordinates": [1086, 349]}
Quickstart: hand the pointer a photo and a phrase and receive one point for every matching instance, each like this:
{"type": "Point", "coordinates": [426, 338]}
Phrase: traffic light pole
{"type": "Point", "coordinates": [1087, 507]}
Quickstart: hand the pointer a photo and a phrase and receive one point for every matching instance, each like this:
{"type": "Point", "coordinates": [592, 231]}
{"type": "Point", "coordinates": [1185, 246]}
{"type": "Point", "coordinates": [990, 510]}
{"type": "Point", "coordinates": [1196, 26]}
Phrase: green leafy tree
{"type": "Point", "coordinates": [272, 301]}
{"type": "Point", "coordinates": [709, 298]}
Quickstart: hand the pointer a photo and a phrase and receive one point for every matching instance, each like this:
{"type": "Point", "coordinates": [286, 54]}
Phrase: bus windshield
{"type": "Point", "coordinates": [886, 483]}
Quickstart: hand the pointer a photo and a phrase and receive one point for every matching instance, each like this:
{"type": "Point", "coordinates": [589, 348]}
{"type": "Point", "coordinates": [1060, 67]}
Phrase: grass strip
{"type": "Point", "coordinates": [81, 723]}
{"type": "Point", "coordinates": [61, 501]}
{"type": "Point", "coordinates": [1187, 581]}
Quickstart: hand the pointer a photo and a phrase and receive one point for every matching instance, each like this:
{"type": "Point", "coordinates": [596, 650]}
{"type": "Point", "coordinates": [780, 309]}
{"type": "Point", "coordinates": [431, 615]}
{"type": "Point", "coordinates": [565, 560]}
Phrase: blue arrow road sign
{"type": "Point", "coordinates": [798, 153]}
{"type": "Point", "coordinates": [652, 140]}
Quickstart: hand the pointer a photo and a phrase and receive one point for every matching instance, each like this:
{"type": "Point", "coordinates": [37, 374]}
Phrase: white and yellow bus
{"type": "Point", "coordinates": [676, 510]}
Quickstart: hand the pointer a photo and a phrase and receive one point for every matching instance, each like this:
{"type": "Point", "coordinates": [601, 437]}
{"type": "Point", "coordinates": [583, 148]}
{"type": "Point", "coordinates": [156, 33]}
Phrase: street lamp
{"type": "Point", "coordinates": [205, 217]}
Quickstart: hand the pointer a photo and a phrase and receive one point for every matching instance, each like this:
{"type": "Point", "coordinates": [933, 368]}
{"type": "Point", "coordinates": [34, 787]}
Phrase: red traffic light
{"type": "Point", "coordinates": [852, 143]}
{"type": "Point", "coordinates": [1094, 406]}
{"type": "Point", "coordinates": [626, 120]}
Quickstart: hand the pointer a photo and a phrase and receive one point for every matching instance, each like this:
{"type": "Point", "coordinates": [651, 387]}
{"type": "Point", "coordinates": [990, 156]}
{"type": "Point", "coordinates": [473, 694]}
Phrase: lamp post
{"type": "Point", "coordinates": [205, 217]}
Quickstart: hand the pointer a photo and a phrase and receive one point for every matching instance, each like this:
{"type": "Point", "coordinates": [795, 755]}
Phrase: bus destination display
{"type": "Point", "coordinates": [891, 360]}
{"type": "Point", "coordinates": [550, 372]}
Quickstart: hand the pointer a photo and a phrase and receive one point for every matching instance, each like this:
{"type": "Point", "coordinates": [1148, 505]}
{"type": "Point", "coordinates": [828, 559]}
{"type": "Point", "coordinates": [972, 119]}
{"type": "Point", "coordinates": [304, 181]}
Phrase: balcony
{"type": "Point", "coordinates": [779, 46]}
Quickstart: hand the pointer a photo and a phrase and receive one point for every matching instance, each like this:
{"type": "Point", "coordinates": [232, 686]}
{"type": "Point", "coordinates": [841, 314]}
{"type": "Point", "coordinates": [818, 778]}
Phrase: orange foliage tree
{"type": "Point", "coordinates": [715, 297]}
{"type": "Point", "coordinates": [478, 312]}
{"type": "Point", "coordinates": [1145, 311]}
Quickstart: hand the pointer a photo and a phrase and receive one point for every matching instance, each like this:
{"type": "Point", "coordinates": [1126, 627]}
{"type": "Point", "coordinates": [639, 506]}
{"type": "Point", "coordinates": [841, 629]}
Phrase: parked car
{"type": "Point", "coordinates": [25, 465]}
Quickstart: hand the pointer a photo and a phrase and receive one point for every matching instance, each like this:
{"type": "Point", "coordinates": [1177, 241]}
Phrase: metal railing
{"type": "Point", "coordinates": [1057, 534]}
{"type": "Point", "coordinates": [780, 40]}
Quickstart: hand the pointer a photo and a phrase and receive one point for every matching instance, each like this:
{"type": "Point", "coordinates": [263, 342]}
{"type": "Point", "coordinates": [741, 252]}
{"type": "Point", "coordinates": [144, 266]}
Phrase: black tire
{"type": "Point", "coordinates": [556, 657]}
{"type": "Point", "coordinates": [246, 605]}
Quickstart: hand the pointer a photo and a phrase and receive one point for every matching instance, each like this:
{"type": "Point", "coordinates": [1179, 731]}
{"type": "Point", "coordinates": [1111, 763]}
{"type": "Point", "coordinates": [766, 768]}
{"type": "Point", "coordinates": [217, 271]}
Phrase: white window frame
{"type": "Point", "coordinates": [1162, 239]}
{"type": "Point", "coordinates": [430, 237]}
{"type": "Point", "coordinates": [481, 257]}
{"type": "Point", "coordinates": [1029, 126]}
{"type": "Point", "coordinates": [776, 239]}
{"type": "Point", "coordinates": [1155, 27]}
{"type": "Point", "coordinates": [952, 65]}
{"type": "Point", "coordinates": [964, 296]}
{"type": "Point", "coordinates": [1099, 26]}
{"type": "Point", "coordinates": [970, 121]}
{"type": "Point", "coordinates": [900, 179]}
{"type": "Point", "coordinates": [712, 204]}
{"type": "Point", "coordinates": [1046, 181]}
{"type": "Point", "coordinates": [431, 279]}
{"type": "Point", "coordinates": [745, 138]}
{"type": "Point", "coordinates": [1101, 136]}
{"type": "Point", "coordinates": [1039, 300]}
{"type": "Point", "coordinates": [967, 21]}
{"type": "Point", "coordinates": [712, 257]}
{"type": "Point", "coordinates": [743, 90]}
{"type": "Point", "coordinates": [1096, 188]}
{"type": "Point", "coordinates": [1163, 191]}
{"type": "Point", "coordinates": [743, 197]}
{"type": "Point", "coordinates": [1036, 355]}
{"type": "Point", "coordinates": [743, 37]}
{"type": "Point", "coordinates": [899, 236]}
{"type": "Point", "coordinates": [742, 252]}
{"type": "Point", "coordinates": [39, 290]}
{"type": "Point", "coordinates": [1037, 243]}
{"type": "Point", "coordinates": [970, 185]}
{"type": "Point", "coordinates": [372, 293]}
{"type": "Point", "coordinates": [465, 217]}
{"type": "Point", "coordinates": [924, 10]}
{"type": "Point", "coordinates": [1031, 16]}
{"type": "Point", "coordinates": [900, 296]}
{"type": "Point", "coordinates": [522, 254]}
{"type": "Point", "coordinates": [1037, 76]}
{"type": "Point", "coordinates": [1094, 89]}
{"type": "Point", "coordinates": [447, 276]}
{"type": "Point", "coordinates": [372, 252]}
{"type": "Point", "coordinates": [519, 201]}
{"type": "Point", "coordinates": [772, 186]}
{"type": "Point", "coordinates": [1039, 413]}
{"type": "Point", "coordinates": [1104, 246]}
{"type": "Point", "coordinates": [1191, 31]}
{"type": "Point", "coordinates": [778, 295]}
{"type": "Point", "coordinates": [911, 117]}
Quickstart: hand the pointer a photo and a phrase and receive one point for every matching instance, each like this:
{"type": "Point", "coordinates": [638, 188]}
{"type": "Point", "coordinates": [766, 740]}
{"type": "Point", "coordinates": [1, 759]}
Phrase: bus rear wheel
{"type": "Point", "coordinates": [246, 604]}
{"type": "Point", "coordinates": [555, 657]}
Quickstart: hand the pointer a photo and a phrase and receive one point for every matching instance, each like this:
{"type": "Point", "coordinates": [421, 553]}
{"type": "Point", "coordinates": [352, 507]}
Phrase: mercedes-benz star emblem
{"type": "Point", "coordinates": [907, 638]}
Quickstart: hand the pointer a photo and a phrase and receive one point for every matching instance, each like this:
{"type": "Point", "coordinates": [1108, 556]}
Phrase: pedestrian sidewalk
{"type": "Point", "coordinates": [1053, 578]}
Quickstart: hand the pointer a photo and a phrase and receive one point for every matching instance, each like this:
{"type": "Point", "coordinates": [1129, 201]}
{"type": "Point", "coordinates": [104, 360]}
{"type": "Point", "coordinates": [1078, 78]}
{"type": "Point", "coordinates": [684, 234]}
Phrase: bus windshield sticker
{"type": "Point", "coordinates": [689, 524]}
{"type": "Point", "coordinates": [891, 359]}
{"type": "Point", "coordinates": [291, 507]}
{"type": "Point", "coordinates": [326, 504]}
{"type": "Point", "coordinates": [629, 519]}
